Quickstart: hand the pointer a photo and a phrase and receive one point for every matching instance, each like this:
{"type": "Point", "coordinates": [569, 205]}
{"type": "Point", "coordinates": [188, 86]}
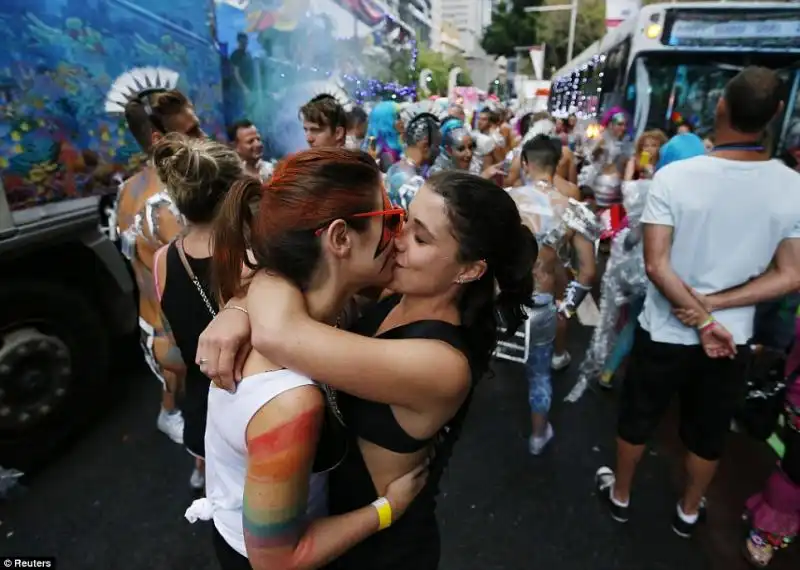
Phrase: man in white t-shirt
{"type": "Point", "coordinates": [712, 226]}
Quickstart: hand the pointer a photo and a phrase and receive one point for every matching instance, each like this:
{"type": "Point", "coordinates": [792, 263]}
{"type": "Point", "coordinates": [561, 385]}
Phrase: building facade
{"type": "Point", "coordinates": [417, 14]}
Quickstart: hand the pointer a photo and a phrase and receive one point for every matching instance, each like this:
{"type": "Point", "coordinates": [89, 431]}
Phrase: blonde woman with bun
{"type": "Point", "coordinates": [197, 174]}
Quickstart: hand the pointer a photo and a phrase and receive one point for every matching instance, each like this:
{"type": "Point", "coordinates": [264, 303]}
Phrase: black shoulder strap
{"type": "Point", "coordinates": [434, 330]}
{"type": "Point", "coordinates": [193, 278]}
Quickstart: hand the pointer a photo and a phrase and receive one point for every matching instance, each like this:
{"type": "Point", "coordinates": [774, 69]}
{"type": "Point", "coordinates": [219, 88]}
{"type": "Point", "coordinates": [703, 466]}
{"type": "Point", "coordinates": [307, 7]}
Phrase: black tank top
{"type": "Point", "coordinates": [413, 541]}
{"type": "Point", "coordinates": [188, 316]}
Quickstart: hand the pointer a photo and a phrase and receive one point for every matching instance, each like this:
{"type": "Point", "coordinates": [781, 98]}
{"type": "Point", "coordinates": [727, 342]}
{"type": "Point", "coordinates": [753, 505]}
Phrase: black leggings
{"type": "Point", "coordinates": [228, 558]}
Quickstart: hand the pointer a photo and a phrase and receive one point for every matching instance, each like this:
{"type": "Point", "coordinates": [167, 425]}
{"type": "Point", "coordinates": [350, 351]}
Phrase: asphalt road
{"type": "Point", "coordinates": [114, 500]}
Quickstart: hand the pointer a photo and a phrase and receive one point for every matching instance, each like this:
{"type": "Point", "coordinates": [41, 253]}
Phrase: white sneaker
{"type": "Point", "coordinates": [197, 481]}
{"type": "Point", "coordinates": [536, 445]}
{"type": "Point", "coordinates": [560, 361]}
{"type": "Point", "coordinates": [171, 424]}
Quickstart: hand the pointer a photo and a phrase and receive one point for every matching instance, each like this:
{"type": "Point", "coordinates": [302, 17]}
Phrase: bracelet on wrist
{"type": "Point", "coordinates": [384, 509]}
{"type": "Point", "coordinates": [708, 323]}
{"type": "Point", "coordinates": [236, 308]}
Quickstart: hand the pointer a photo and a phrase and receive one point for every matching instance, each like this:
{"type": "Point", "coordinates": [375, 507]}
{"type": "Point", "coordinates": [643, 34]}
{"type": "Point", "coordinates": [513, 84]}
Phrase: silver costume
{"type": "Point", "coordinates": [624, 281]}
{"type": "Point", "coordinates": [552, 219]}
{"type": "Point", "coordinates": [409, 189]}
{"type": "Point", "coordinates": [604, 182]}
{"type": "Point", "coordinates": [146, 223]}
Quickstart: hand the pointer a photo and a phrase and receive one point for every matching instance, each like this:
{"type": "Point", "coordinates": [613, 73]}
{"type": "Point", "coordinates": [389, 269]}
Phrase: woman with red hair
{"type": "Point", "coordinates": [324, 223]}
{"type": "Point", "coordinates": [401, 385]}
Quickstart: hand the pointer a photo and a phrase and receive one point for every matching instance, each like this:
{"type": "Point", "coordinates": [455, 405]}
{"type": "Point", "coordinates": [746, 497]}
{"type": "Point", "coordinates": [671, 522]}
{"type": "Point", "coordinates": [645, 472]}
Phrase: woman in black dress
{"type": "Point", "coordinates": [402, 384]}
{"type": "Point", "coordinates": [197, 174]}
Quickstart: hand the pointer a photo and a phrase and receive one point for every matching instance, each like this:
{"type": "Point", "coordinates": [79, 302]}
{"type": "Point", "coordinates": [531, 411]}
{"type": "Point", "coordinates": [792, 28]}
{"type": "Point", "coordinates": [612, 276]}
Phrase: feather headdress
{"type": "Point", "coordinates": [137, 84]}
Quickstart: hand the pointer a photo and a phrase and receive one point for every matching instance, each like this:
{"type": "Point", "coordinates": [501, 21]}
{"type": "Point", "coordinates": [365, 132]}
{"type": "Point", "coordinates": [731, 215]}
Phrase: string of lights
{"type": "Point", "coordinates": [360, 89]}
{"type": "Point", "coordinates": [579, 91]}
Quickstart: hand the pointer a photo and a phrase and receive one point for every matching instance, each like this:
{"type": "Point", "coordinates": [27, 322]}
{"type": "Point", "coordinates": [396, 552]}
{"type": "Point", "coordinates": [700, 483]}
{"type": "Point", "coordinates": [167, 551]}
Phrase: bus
{"type": "Point", "coordinates": [668, 65]}
{"type": "Point", "coordinates": [66, 294]}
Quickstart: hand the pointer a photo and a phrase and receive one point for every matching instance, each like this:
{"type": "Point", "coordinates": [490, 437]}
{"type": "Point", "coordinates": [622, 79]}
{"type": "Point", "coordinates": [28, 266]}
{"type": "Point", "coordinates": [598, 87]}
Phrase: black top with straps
{"type": "Point", "coordinates": [412, 542]}
{"type": "Point", "coordinates": [188, 317]}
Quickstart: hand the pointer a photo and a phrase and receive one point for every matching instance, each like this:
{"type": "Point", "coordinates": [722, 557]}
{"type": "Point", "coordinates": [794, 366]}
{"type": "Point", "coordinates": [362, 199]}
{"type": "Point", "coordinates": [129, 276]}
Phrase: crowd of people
{"type": "Point", "coordinates": [327, 317]}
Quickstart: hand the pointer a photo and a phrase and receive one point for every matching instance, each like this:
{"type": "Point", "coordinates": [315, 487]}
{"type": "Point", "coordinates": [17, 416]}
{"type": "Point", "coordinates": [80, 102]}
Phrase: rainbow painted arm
{"type": "Point", "coordinates": [281, 443]}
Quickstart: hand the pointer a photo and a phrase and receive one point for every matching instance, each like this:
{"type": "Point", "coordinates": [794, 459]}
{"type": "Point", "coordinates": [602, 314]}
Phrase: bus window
{"type": "Point", "coordinates": [614, 75]}
{"type": "Point", "coordinates": [681, 92]}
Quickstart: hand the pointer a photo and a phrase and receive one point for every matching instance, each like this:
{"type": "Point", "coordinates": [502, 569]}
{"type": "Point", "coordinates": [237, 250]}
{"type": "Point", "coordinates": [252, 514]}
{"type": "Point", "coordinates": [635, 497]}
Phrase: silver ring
{"type": "Point", "coordinates": [202, 361]}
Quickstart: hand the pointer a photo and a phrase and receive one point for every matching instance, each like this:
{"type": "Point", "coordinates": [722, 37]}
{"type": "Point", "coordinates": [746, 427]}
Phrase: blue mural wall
{"type": "Point", "coordinates": [57, 62]}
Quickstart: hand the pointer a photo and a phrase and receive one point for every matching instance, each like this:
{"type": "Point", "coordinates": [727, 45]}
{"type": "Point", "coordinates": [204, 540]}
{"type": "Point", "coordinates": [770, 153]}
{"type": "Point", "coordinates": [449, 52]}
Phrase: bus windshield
{"type": "Point", "coordinates": [666, 90]}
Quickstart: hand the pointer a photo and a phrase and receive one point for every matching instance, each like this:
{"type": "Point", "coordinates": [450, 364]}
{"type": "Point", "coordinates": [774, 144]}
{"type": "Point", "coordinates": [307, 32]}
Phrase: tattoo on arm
{"type": "Point", "coordinates": [276, 489]}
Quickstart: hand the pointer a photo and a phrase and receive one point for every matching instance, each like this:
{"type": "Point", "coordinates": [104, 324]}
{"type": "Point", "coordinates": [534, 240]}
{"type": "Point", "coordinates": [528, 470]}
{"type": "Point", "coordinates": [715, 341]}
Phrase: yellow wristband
{"type": "Point", "coordinates": [384, 509]}
{"type": "Point", "coordinates": [707, 323]}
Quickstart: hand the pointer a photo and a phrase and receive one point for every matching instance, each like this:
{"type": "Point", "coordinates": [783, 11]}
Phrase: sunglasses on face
{"type": "Point", "coordinates": [392, 218]}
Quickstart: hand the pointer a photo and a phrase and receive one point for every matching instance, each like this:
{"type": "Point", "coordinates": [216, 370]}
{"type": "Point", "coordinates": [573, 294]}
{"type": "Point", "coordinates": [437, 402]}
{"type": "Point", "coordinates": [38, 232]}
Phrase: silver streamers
{"type": "Point", "coordinates": [443, 162]}
{"type": "Point", "coordinates": [581, 219]}
{"type": "Point", "coordinates": [624, 281]}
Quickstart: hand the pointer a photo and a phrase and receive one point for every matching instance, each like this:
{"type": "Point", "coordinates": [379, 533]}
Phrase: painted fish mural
{"type": "Point", "coordinates": [59, 59]}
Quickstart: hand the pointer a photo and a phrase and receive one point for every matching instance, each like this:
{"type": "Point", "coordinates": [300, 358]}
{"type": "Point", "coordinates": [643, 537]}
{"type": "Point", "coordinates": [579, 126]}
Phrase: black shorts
{"type": "Point", "coordinates": [710, 392]}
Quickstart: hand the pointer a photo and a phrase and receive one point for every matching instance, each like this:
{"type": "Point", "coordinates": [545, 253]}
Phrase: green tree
{"type": "Point", "coordinates": [400, 70]}
{"type": "Point", "coordinates": [553, 31]}
{"type": "Point", "coordinates": [511, 27]}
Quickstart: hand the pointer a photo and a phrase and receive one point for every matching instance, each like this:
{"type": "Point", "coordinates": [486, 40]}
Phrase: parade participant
{"type": "Point", "coordinates": [324, 122]}
{"type": "Point", "coordinates": [247, 143]}
{"type": "Point", "coordinates": [490, 123]}
{"type": "Point", "coordinates": [406, 177]}
{"type": "Point", "coordinates": [456, 152]}
{"type": "Point", "coordinates": [383, 140]}
{"type": "Point", "coordinates": [542, 125]}
{"type": "Point", "coordinates": [694, 210]}
{"type": "Point", "coordinates": [456, 111]}
{"type": "Point", "coordinates": [356, 128]}
{"type": "Point", "coordinates": [642, 164]}
{"type": "Point", "coordinates": [774, 513]}
{"type": "Point", "coordinates": [324, 223]}
{"type": "Point", "coordinates": [147, 221]}
{"type": "Point", "coordinates": [197, 173]}
{"type": "Point", "coordinates": [608, 156]}
{"type": "Point", "coordinates": [624, 280]}
{"type": "Point", "coordinates": [557, 222]}
{"type": "Point", "coordinates": [404, 394]}
{"type": "Point", "coordinates": [561, 356]}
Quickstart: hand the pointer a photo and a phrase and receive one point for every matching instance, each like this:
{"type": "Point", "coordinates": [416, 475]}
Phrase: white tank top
{"type": "Point", "coordinates": [226, 453]}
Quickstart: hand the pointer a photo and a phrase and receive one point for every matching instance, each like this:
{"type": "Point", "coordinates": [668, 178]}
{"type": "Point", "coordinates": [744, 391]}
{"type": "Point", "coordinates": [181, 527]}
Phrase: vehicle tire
{"type": "Point", "coordinates": [54, 359]}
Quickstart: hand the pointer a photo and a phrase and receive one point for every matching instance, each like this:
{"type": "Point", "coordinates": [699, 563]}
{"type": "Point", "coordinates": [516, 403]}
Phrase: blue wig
{"type": "Point", "coordinates": [381, 125]}
{"type": "Point", "coordinates": [451, 130]}
{"type": "Point", "coordinates": [680, 147]}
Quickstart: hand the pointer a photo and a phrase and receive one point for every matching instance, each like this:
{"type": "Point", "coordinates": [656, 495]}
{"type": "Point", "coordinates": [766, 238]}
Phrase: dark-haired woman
{"type": "Point", "coordinates": [456, 152]}
{"type": "Point", "coordinates": [405, 177]}
{"type": "Point", "coordinates": [323, 221]}
{"type": "Point", "coordinates": [403, 383]}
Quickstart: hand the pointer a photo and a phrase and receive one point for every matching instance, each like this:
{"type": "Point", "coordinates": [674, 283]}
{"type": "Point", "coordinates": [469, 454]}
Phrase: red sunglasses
{"type": "Point", "coordinates": [393, 218]}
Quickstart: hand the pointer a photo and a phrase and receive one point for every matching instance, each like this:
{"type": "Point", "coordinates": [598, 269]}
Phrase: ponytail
{"type": "Point", "coordinates": [515, 280]}
{"type": "Point", "coordinates": [231, 232]}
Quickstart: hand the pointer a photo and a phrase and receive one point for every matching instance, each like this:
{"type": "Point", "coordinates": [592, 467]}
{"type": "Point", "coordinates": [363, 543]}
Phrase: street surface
{"type": "Point", "coordinates": [114, 500]}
